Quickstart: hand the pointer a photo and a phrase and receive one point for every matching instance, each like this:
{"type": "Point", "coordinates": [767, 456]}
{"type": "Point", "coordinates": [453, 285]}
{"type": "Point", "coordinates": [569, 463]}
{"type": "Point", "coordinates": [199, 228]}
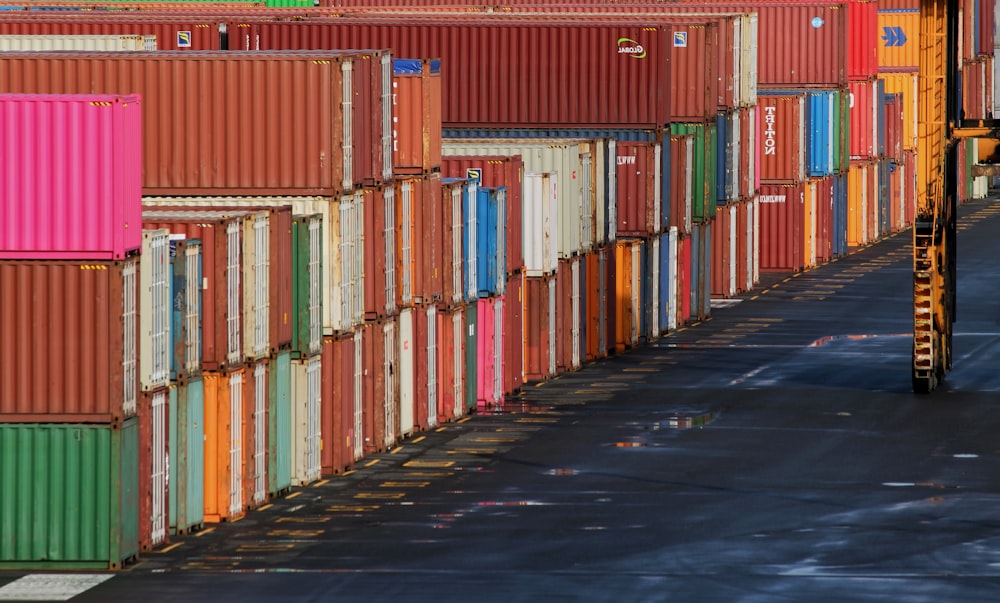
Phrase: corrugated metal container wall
{"type": "Point", "coordinates": [540, 217]}
{"type": "Point", "coordinates": [781, 223]}
{"type": "Point", "coordinates": [109, 43]}
{"type": "Point", "coordinates": [857, 203]}
{"type": "Point", "coordinates": [380, 387]}
{"type": "Point", "coordinates": [453, 192]}
{"type": "Point", "coordinates": [496, 170]}
{"type": "Point", "coordinates": [491, 271]}
{"type": "Point", "coordinates": [864, 119]}
{"type": "Point", "coordinates": [513, 370]}
{"type": "Point", "coordinates": [341, 404]}
{"type": "Point", "coordinates": [224, 445]}
{"type": "Point", "coordinates": [222, 266]}
{"type": "Point", "coordinates": [419, 239]}
{"type": "Point", "coordinates": [593, 305]}
{"type": "Point", "coordinates": [171, 33]}
{"type": "Point", "coordinates": [154, 310]}
{"type": "Point", "coordinates": [307, 285]}
{"type": "Point", "coordinates": [893, 104]}
{"type": "Point", "coordinates": [986, 40]}
{"type": "Point", "coordinates": [862, 39]}
{"type": "Point", "coordinates": [899, 47]}
{"type": "Point", "coordinates": [628, 293]}
{"type": "Point", "coordinates": [211, 149]}
{"type": "Point", "coordinates": [408, 397]}
{"type": "Point", "coordinates": [427, 373]}
{"type": "Point", "coordinates": [681, 181]}
{"type": "Point", "coordinates": [539, 327]}
{"type": "Point", "coordinates": [905, 85]}
{"type": "Point", "coordinates": [378, 250]}
{"type": "Point", "coordinates": [451, 395]}
{"type": "Point", "coordinates": [824, 219]}
{"type": "Point", "coordinates": [696, 58]}
{"type": "Point", "coordinates": [69, 495]}
{"type": "Point", "coordinates": [704, 168]}
{"type": "Point", "coordinates": [822, 133]}
{"type": "Point", "coordinates": [279, 423]}
{"type": "Point", "coordinates": [724, 252]}
{"type": "Point", "coordinates": [974, 89]}
{"type": "Point", "coordinates": [186, 509]}
{"type": "Point", "coordinates": [69, 351]}
{"type": "Point", "coordinates": [639, 188]}
{"type": "Point", "coordinates": [569, 336]}
{"type": "Point", "coordinates": [185, 307]}
{"type": "Point", "coordinates": [782, 136]}
{"type": "Point", "coordinates": [416, 105]}
{"type": "Point", "coordinates": [77, 159]}
{"type": "Point", "coordinates": [307, 409]}
{"type": "Point", "coordinates": [622, 77]}
{"type": "Point", "coordinates": [300, 206]}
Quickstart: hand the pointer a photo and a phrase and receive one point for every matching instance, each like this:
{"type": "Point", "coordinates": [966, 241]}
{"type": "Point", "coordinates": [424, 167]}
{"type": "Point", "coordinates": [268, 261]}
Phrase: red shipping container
{"type": "Point", "coordinates": [222, 267]}
{"type": "Point", "coordinates": [421, 263]}
{"type": "Point", "coordinates": [781, 133]}
{"type": "Point", "coordinates": [616, 74]}
{"type": "Point", "coordinates": [781, 223]}
{"type": "Point", "coordinates": [489, 354]}
{"type": "Point", "coordinates": [974, 89]}
{"type": "Point", "coordinates": [684, 279]}
{"type": "Point", "coordinates": [864, 118]}
{"type": "Point", "coordinates": [513, 369]}
{"type": "Point", "coordinates": [569, 336]}
{"type": "Point", "coordinates": [539, 327]}
{"type": "Point", "coordinates": [638, 177]}
{"type": "Point", "coordinates": [255, 404]}
{"type": "Point", "coordinates": [72, 176]}
{"type": "Point", "coordinates": [153, 496]}
{"type": "Point", "coordinates": [172, 33]}
{"type": "Point", "coordinates": [379, 250]}
{"type": "Point", "coordinates": [894, 127]}
{"type": "Point", "coordinates": [427, 366]}
{"type": "Point", "coordinates": [451, 355]}
{"type": "Point", "coordinates": [379, 383]}
{"type": "Point", "coordinates": [724, 252]}
{"type": "Point", "coordinates": [987, 28]}
{"type": "Point", "coordinates": [681, 181]}
{"type": "Point", "coordinates": [416, 116]}
{"type": "Point", "coordinates": [496, 171]}
{"type": "Point", "coordinates": [69, 346]}
{"type": "Point", "coordinates": [286, 138]}
{"type": "Point", "coordinates": [862, 39]}
{"type": "Point", "coordinates": [338, 415]}
{"type": "Point", "coordinates": [749, 152]}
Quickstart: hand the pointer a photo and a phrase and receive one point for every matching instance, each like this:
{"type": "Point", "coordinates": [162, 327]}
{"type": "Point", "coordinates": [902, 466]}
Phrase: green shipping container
{"type": "Point", "coordinates": [186, 509]}
{"type": "Point", "coordinates": [842, 125]}
{"type": "Point", "coordinates": [704, 169]}
{"type": "Point", "coordinates": [307, 286]}
{"type": "Point", "coordinates": [279, 454]}
{"type": "Point", "coordinates": [69, 495]}
{"type": "Point", "coordinates": [471, 358]}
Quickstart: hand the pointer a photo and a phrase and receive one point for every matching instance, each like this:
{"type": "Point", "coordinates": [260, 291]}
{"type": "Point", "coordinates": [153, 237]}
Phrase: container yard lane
{"type": "Point", "coordinates": [772, 453]}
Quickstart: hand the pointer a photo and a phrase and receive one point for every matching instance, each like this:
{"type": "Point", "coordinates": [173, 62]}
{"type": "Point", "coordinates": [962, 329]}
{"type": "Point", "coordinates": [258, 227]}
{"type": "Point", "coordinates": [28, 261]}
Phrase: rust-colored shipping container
{"type": "Point", "coordinates": [974, 81]}
{"type": "Point", "coordinates": [377, 206]}
{"type": "Point", "coordinates": [172, 33]}
{"type": "Point", "coordinates": [224, 445]}
{"type": "Point", "coordinates": [569, 335]}
{"type": "Point", "coordinates": [749, 155]}
{"type": "Point", "coordinates": [153, 468]}
{"type": "Point", "coordinates": [638, 177]}
{"type": "Point", "coordinates": [424, 255]}
{"type": "Point", "coordinates": [725, 255]}
{"type": "Point", "coordinates": [539, 327]}
{"type": "Point", "coordinates": [69, 350]}
{"type": "Point", "coordinates": [609, 267]}
{"type": "Point", "coordinates": [781, 132]}
{"type": "Point", "coordinates": [222, 267]}
{"type": "Point", "coordinates": [255, 444]}
{"type": "Point", "coordinates": [451, 360]}
{"type": "Point", "coordinates": [824, 219]}
{"type": "Point", "coordinates": [416, 116]}
{"type": "Point", "coordinates": [614, 73]}
{"type": "Point", "coordinates": [681, 181]}
{"type": "Point", "coordinates": [495, 171]}
{"type": "Point", "coordinates": [628, 293]}
{"type": "Point", "coordinates": [684, 249]}
{"type": "Point", "coordinates": [452, 257]}
{"type": "Point", "coordinates": [340, 396]}
{"type": "Point", "coordinates": [380, 386]}
{"type": "Point", "coordinates": [513, 370]}
{"type": "Point", "coordinates": [276, 124]}
{"type": "Point", "coordinates": [594, 292]}
{"type": "Point", "coordinates": [426, 371]}
{"type": "Point", "coordinates": [781, 222]}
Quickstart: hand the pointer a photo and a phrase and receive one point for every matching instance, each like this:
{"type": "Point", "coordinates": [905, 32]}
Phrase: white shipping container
{"type": "Point", "coordinates": [733, 255]}
{"type": "Point", "coordinates": [154, 309]}
{"type": "Point", "coordinates": [407, 361]}
{"type": "Point", "coordinates": [432, 366]}
{"type": "Point", "coordinates": [256, 285]}
{"type": "Point", "coordinates": [235, 444]}
{"type": "Point", "coordinates": [260, 392]}
{"type": "Point", "coordinates": [458, 360]}
{"type": "Point", "coordinates": [540, 211]}
{"type": "Point", "coordinates": [359, 440]}
{"type": "Point", "coordinates": [159, 467]}
{"type": "Point", "coordinates": [576, 338]}
{"type": "Point", "coordinates": [390, 339]}
{"type": "Point", "coordinates": [306, 434]}
{"type": "Point", "coordinates": [81, 42]}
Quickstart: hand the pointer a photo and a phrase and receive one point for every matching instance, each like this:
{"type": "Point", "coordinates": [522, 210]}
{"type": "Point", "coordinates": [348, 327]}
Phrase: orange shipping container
{"type": "Point", "coordinates": [451, 363]}
{"type": "Point", "coordinates": [224, 445]}
{"type": "Point", "coordinates": [539, 327]}
{"type": "Point", "coordinates": [340, 397]}
{"type": "Point", "coordinates": [416, 116]}
{"type": "Point", "coordinates": [904, 84]}
{"type": "Point", "coordinates": [899, 43]}
{"type": "Point", "coordinates": [858, 177]}
{"type": "Point", "coordinates": [628, 292]}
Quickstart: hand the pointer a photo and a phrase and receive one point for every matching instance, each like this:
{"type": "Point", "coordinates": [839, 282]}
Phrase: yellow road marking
{"type": "Point", "coordinates": [397, 484]}
{"type": "Point", "coordinates": [169, 548]}
{"type": "Point", "coordinates": [372, 462]}
{"type": "Point", "coordinates": [296, 533]}
{"type": "Point", "coordinates": [320, 483]}
{"type": "Point", "coordinates": [419, 439]}
{"type": "Point", "coordinates": [303, 519]}
{"type": "Point", "coordinates": [380, 495]}
{"type": "Point", "coordinates": [260, 547]}
{"type": "Point", "coordinates": [293, 495]}
{"type": "Point", "coordinates": [435, 464]}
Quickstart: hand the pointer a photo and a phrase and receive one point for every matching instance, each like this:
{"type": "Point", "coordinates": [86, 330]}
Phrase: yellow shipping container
{"type": "Point", "coordinates": [809, 228]}
{"type": "Point", "coordinates": [905, 84]}
{"type": "Point", "coordinates": [899, 39]}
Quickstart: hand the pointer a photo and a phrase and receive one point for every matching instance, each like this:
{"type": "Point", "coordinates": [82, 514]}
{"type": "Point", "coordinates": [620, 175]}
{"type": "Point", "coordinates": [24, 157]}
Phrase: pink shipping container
{"type": "Point", "coordinates": [69, 346]}
{"type": "Point", "coordinates": [416, 116]}
{"type": "Point", "coordinates": [781, 132]}
{"type": "Point", "coordinates": [639, 177]}
{"type": "Point", "coordinates": [864, 118]}
{"type": "Point", "coordinates": [172, 33]}
{"type": "Point", "coordinates": [781, 224]}
{"type": "Point", "coordinates": [681, 181]}
{"type": "Point", "coordinates": [496, 171]}
{"type": "Point", "coordinates": [490, 354]}
{"type": "Point", "coordinates": [71, 172]}
{"type": "Point", "coordinates": [288, 135]}
{"type": "Point", "coordinates": [340, 412]}
{"type": "Point", "coordinates": [222, 266]}
{"type": "Point", "coordinates": [615, 74]}
{"type": "Point", "coordinates": [513, 363]}
{"type": "Point", "coordinates": [420, 240]}
{"type": "Point", "coordinates": [539, 327]}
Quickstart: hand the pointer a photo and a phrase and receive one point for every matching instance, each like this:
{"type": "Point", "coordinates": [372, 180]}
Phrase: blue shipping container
{"type": "Point", "coordinates": [491, 252]}
{"type": "Point", "coordinates": [820, 139]}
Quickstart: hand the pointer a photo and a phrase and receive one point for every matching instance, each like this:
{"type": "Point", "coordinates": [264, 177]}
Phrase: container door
{"type": "Point", "coordinates": [159, 467]}
{"type": "Point", "coordinates": [359, 405]}
{"type": "Point", "coordinates": [576, 336]}
{"type": "Point", "coordinates": [233, 294]}
{"type": "Point", "coordinates": [260, 391]}
{"type": "Point", "coordinates": [458, 361]}
{"type": "Point", "coordinates": [279, 425]}
{"type": "Point", "coordinates": [391, 371]}
{"type": "Point", "coordinates": [432, 366]}
{"type": "Point", "coordinates": [636, 279]}
{"type": "Point", "coordinates": [498, 355]}
{"type": "Point", "coordinates": [235, 444]}
{"type": "Point", "coordinates": [192, 309]}
{"type": "Point", "coordinates": [155, 312]}
{"type": "Point", "coordinates": [552, 326]}
{"type": "Point", "coordinates": [407, 261]}
{"type": "Point", "coordinates": [389, 199]}
{"type": "Point", "coordinates": [406, 371]}
{"type": "Point", "coordinates": [315, 286]}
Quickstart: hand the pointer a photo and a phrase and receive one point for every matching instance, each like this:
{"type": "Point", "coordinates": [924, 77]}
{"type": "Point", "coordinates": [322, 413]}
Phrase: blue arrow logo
{"type": "Point", "coordinates": [893, 36]}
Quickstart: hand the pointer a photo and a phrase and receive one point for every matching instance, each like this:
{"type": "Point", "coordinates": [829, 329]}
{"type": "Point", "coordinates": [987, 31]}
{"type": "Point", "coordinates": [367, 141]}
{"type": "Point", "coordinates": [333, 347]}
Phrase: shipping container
{"type": "Point", "coordinates": [416, 116]}
{"type": "Point", "coordinates": [782, 219]}
{"type": "Point", "coordinates": [782, 131]}
{"type": "Point", "coordinates": [451, 356]}
{"type": "Point", "coordinates": [705, 140]}
{"type": "Point", "coordinates": [859, 185]}
{"type": "Point", "coordinates": [496, 171]}
{"type": "Point", "coordinates": [681, 182]}
{"type": "Point", "coordinates": [974, 82]}
{"type": "Point", "coordinates": [640, 177]}
{"type": "Point", "coordinates": [154, 310]}
{"type": "Point", "coordinates": [72, 176]}
{"type": "Point", "coordinates": [341, 406]}
{"type": "Point", "coordinates": [749, 181]}
{"type": "Point", "coordinates": [632, 59]}
{"type": "Point", "coordinates": [471, 347]}
{"type": "Point", "coordinates": [840, 214]}
{"type": "Point", "coordinates": [453, 194]}
{"type": "Point", "coordinates": [862, 39]}
{"type": "Point", "coordinates": [322, 97]}
{"type": "Point", "coordinates": [513, 361]}
{"type": "Point", "coordinates": [186, 507]}
{"type": "Point", "coordinates": [684, 278]}
{"type": "Point", "coordinates": [899, 43]}
{"type": "Point", "coordinates": [185, 283]}
{"type": "Point", "coordinates": [69, 351]}
{"type": "Point", "coordinates": [380, 384]}
{"type": "Point", "coordinates": [307, 405]}
{"type": "Point", "coordinates": [107, 43]}
{"type": "Point", "coordinates": [865, 124]}
{"type": "Point", "coordinates": [255, 428]}
{"type": "Point", "coordinates": [153, 497]}
{"type": "Point", "coordinates": [307, 285]}
{"type": "Point", "coordinates": [539, 327]}
{"type": "Point", "coordinates": [724, 270]}
{"type": "Point", "coordinates": [420, 239]}
{"type": "Point", "coordinates": [594, 306]}
{"type": "Point", "coordinates": [824, 122]}
{"type": "Point", "coordinates": [224, 445]}
{"type": "Point", "coordinates": [170, 32]}
{"type": "Point", "coordinates": [408, 397]}
{"type": "Point", "coordinates": [628, 289]}
{"type": "Point", "coordinates": [823, 239]}
{"type": "Point", "coordinates": [426, 375]}
{"type": "Point", "coordinates": [904, 85]}
{"type": "Point", "coordinates": [490, 256]}
{"type": "Point", "coordinates": [279, 423]}
{"type": "Point", "coordinates": [69, 494]}
{"type": "Point", "coordinates": [490, 354]}
{"type": "Point", "coordinates": [568, 335]}
{"type": "Point", "coordinates": [701, 275]}
{"type": "Point", "coordinates": [540, 222]}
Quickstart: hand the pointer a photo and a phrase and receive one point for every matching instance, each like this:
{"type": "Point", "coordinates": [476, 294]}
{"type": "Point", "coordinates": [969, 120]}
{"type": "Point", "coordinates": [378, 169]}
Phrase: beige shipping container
{"type": "Point", "coordinates": [88, 42]}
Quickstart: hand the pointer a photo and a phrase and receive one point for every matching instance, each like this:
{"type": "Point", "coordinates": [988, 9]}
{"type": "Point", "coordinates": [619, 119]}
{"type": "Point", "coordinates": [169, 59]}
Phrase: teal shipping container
{"type": "Point", "coordinates": [69, 495]}
{"type": "Point", "coordinates": [279, 454]}
{"type": "Point", "coordinates": [186, 509]}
